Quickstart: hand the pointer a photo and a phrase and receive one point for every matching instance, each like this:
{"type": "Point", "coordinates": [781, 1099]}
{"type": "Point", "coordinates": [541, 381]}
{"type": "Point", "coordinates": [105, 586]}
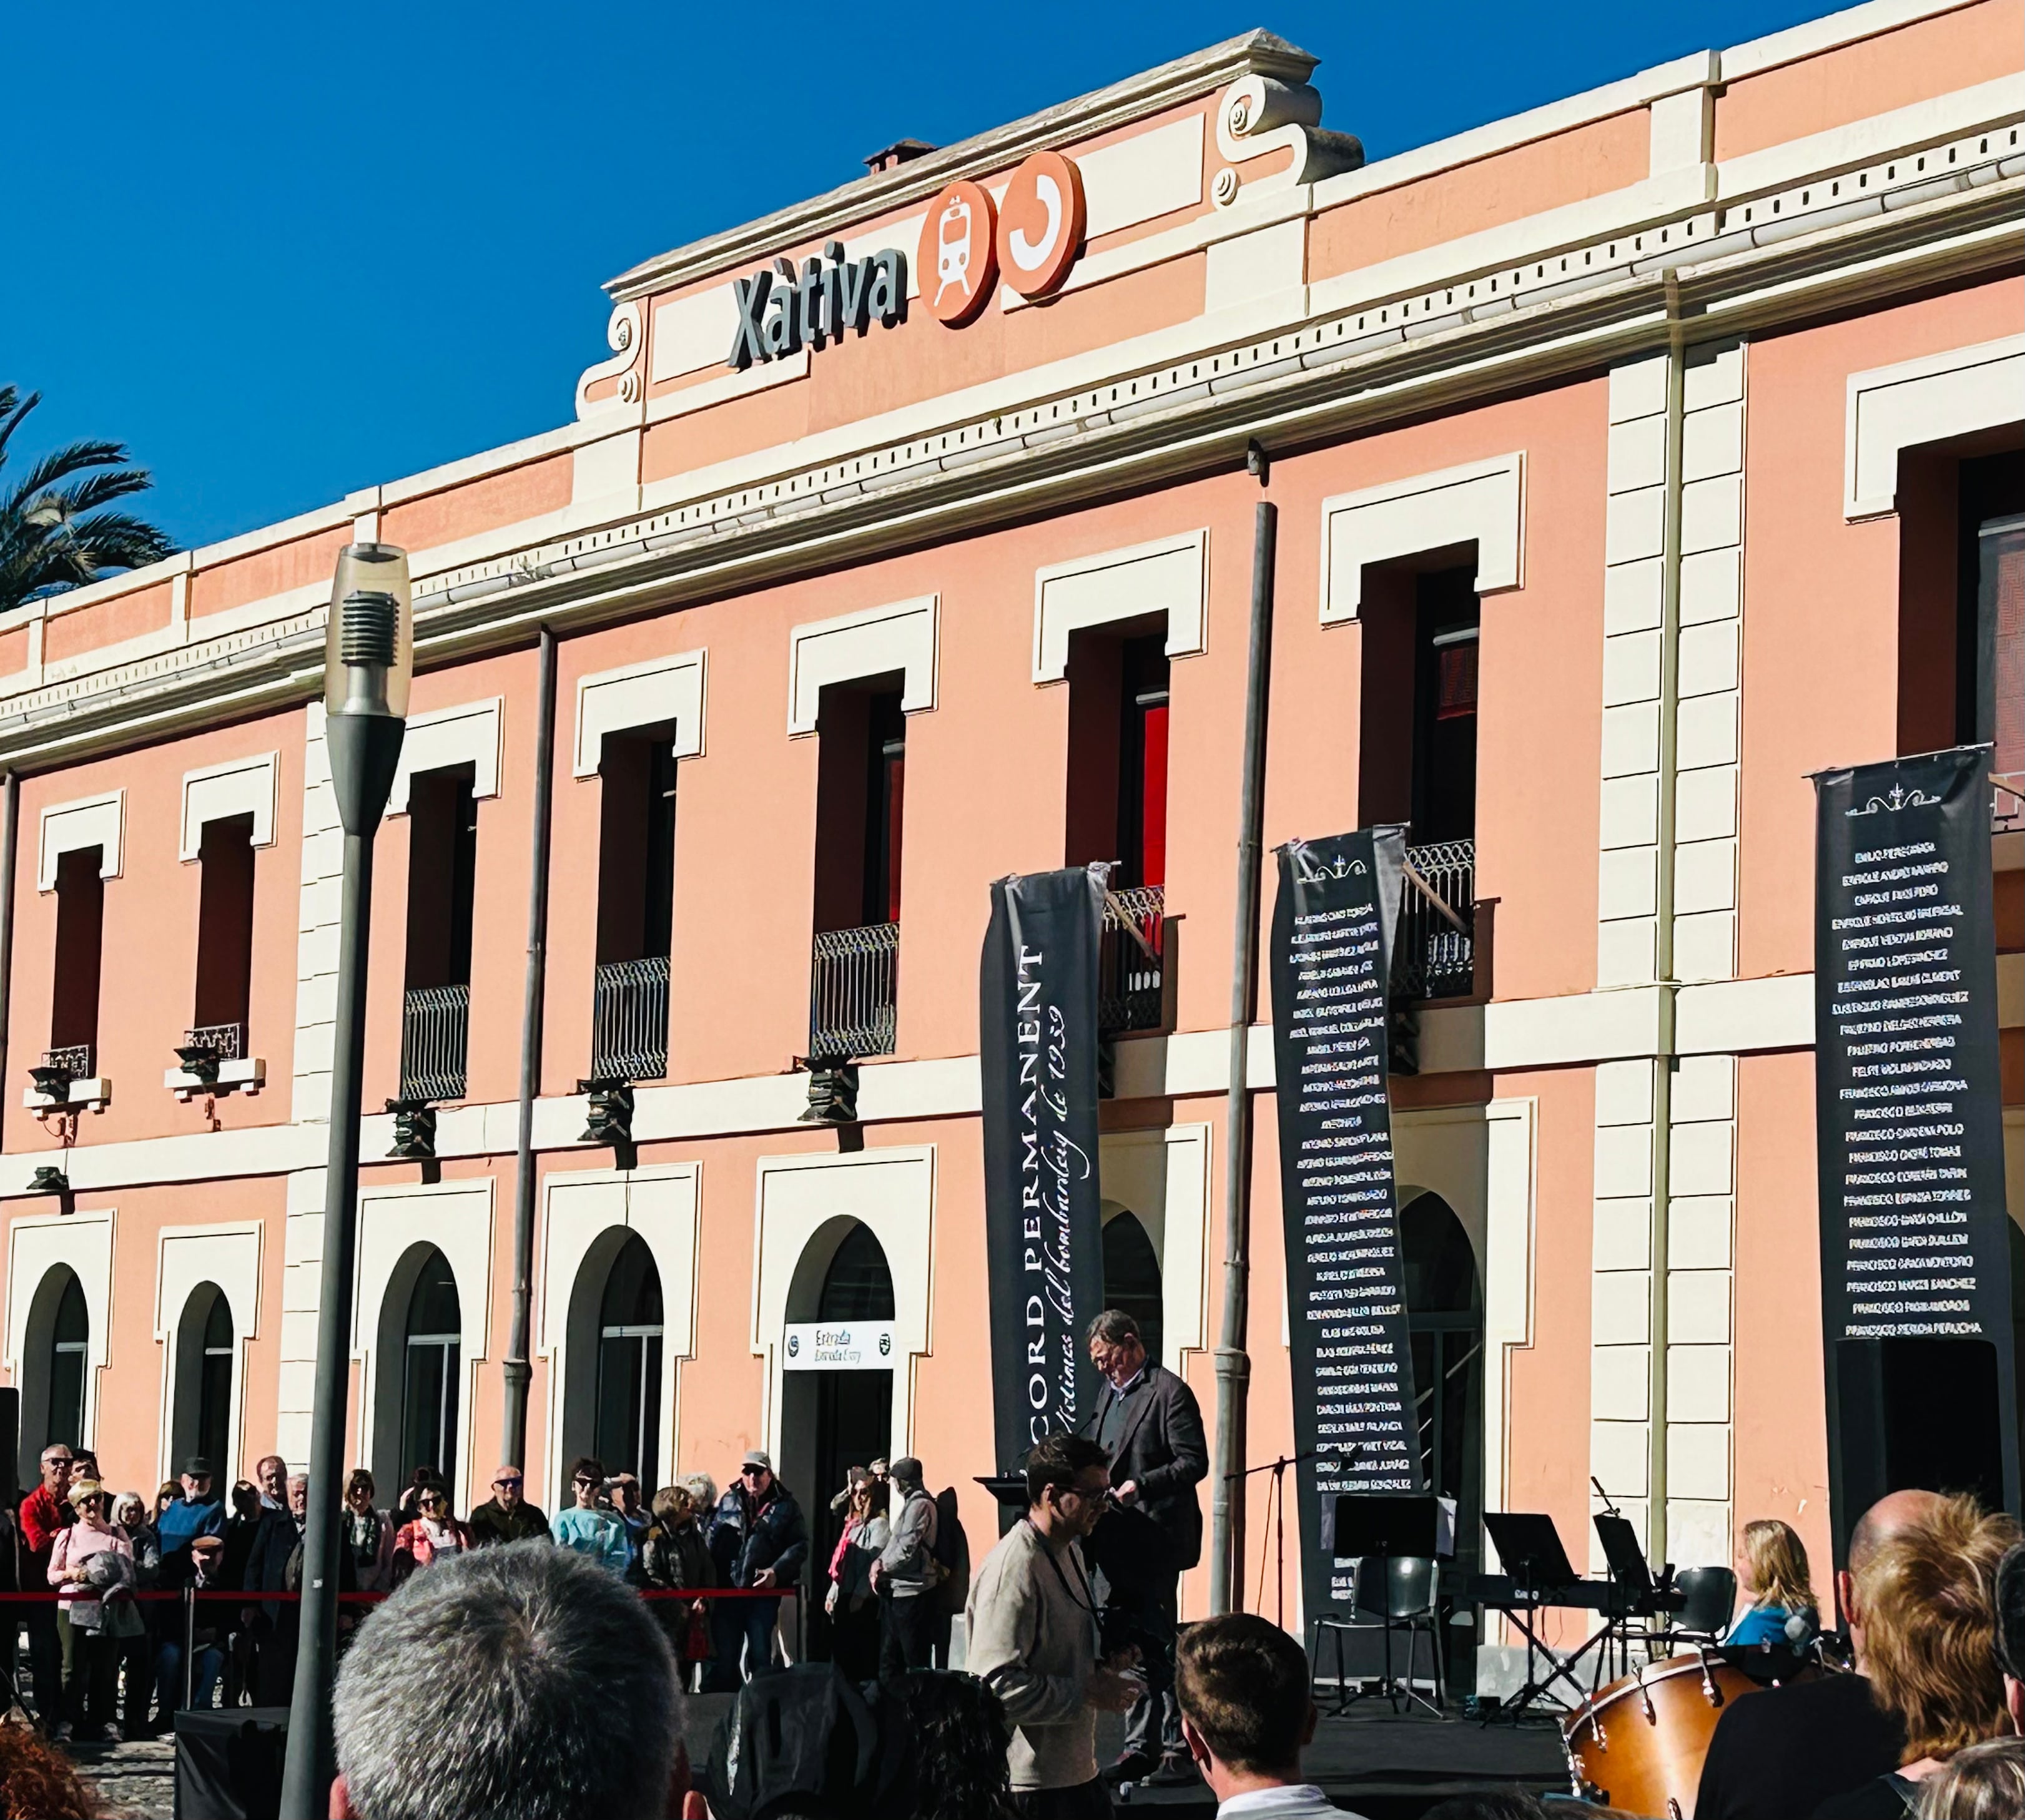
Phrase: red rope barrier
{"type": "Point", "coordinates": [255, 1596]}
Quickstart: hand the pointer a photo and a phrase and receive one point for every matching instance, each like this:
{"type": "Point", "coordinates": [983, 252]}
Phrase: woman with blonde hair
{"type": "Point", "coordinates": [1927, 1600]}
{"type": "Point", "coordinates": [1772, 1571]}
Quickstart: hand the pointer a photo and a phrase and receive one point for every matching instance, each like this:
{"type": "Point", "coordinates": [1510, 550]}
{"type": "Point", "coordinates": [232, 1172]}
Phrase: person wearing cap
{"type": "Point", "coordinates": [758, 1541]}
{"type": "Point", "coordinates": [78, 1572]}
{"type": "Point", "coordinates": [905, 1570]}
{"type": "Point", "coordinates": [201, 1566]}
{"type": "Point", "coordinates": [198, 1512]}
{"type": "Point", "coordinates": [507, 1515]}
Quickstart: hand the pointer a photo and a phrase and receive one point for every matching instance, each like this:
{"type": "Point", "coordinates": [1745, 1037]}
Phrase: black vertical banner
{"type": "Point", "coordinates": [1916, 1268]}
{"type": "Point", "coordinates": [1353, 1363]}
{"type": "Point", "coordinates": [1043, 1217]}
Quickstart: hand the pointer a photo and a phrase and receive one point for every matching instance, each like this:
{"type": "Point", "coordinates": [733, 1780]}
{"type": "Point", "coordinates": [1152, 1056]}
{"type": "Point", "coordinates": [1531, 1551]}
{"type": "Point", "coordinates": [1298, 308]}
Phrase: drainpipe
{"type": "Point", "coordinates": [1234, 1366]}
{"type": "Point", "coordinates": [514, 1368]}
{"type": "Point", "coordinates": [10, 815]}
{"type": "Point", "coordinates": [1662, 1067]}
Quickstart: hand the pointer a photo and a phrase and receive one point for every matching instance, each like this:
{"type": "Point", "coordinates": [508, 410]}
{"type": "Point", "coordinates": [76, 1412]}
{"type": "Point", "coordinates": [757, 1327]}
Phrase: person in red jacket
{"type": "Point", "coordinates": [44, 1512]}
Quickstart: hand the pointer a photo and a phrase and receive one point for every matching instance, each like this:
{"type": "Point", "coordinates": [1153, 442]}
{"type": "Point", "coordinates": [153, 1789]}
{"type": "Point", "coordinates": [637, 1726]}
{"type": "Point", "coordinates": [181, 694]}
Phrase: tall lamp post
{"type": "Point", "coordinates": [368, 661]}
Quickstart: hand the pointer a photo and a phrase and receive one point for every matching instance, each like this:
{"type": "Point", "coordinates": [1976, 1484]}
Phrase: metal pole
{"type": "Point", "coordinates": [1234, 1366]}
{"type": "Point", "coordinates": [364, 750]}
{"type": "Point", "coordinates": [514, 1368]}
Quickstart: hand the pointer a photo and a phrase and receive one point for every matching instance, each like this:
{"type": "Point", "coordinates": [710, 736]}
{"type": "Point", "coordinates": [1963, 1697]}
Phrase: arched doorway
{"type": "Point", "coordinates": [1445, 1318]}
{"type": "Point", "coordinates": [203, 1407]}
{"type": "Point", "coordinates": [832, 1420]}
{"type": "Point", "coordinates": [431, 1354]}
{"type": "Point", "coordinates": [630, 1336]}
{"type": "Point", "coordinates": [55, 1374]}
{"type": "Point", "coordinates": [1132, 1277]}
{"type": "Point", "coordinates": [70, 1337]}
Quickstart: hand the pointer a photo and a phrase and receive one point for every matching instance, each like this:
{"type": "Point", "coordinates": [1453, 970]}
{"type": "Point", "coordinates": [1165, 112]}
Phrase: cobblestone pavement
{"type": "Point", "coordinates": [137, 1782]}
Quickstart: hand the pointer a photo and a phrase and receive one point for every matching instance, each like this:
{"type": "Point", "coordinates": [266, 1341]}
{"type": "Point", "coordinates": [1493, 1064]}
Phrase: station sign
{"type": "Point", "coordinates": [1027, 238]}
{"type": "Point", "coordinates": [839, 1346]}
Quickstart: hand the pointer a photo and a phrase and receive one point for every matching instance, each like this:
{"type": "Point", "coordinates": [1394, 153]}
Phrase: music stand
{"type": "Point", "coordinates": [1383, 1528]}
{"type": "Point", "coordinates": [1632, 1577]}
{"type": "Point", "coordinates": [1529, 1548]}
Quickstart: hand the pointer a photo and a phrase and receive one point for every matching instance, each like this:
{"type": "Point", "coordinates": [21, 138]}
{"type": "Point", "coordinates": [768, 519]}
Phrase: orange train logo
{"type": "Point", "coordinates": [1040, 224]}
{"type": "Point", "coordinates": [958, 257]}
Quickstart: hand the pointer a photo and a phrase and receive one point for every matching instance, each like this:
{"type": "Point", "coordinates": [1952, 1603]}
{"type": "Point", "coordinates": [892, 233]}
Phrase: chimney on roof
{"type": "Point", "coordinates": [901, 152]}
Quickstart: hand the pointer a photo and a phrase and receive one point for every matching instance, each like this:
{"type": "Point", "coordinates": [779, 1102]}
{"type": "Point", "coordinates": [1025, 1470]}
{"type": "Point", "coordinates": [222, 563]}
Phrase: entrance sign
{"type": "Point", "coordinates": [1352, 1358]}
{"type": "Point", "coordinates": [1040, 224]}
{"type": "Point", "coordinates": [1916, 1266]}
{"type": "Point", "coordinates": [783, 311]}
{"type": "Point", "coordinates": [958, 259]}
{"type": "Point", "coordinates": [1043, 1215]}
{"type": "Point", "coordinates": [839, 1346]}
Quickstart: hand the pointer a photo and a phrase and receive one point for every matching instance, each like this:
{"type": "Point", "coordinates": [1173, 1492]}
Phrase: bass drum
{"type": "Point", "coordinates": [1637, 1745]}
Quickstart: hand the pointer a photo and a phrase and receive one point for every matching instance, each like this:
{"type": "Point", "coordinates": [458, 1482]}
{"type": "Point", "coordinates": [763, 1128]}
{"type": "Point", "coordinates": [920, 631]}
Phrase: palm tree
{"type": "Point", "coordinates": [54, 533]}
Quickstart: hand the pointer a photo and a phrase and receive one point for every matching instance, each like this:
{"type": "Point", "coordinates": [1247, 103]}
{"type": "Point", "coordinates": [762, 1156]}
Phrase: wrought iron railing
{"type": "Point", "coordinates": [74, 1059]}
{"type": "Point", "coordinates": [629, 1020]}
{"type": "Point", "coordinates": [436, 1036]}
{"type": "Point", "coordinates": [226, 1041]}
{"type": "Point", "coordinates": [1131, 959]}
{"type": "Point", "coordinates": [854, 988]}
{"type": "Point", "coordinates": [1432, 958]}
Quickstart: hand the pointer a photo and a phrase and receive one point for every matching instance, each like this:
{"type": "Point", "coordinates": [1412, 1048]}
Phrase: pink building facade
{"type": "Point", "coordinates": [1634, 458]}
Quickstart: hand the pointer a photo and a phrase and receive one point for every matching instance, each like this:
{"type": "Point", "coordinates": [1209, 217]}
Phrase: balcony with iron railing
{"type": "Point", "coordinates": [629, 1022]}
{"type": "Point", "coordinates": [436, 1036]}
{"type": "Point", "coordinates": [1131, 962]}
{"type": "Point", "coordinates": [1434, 951]}
{"type": "Point", "coordinates": [853, 990]}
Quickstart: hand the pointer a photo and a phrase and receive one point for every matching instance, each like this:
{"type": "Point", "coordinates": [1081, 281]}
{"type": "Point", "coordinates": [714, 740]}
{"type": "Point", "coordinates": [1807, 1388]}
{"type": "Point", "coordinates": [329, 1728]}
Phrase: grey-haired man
{"type": "Point", "coordinates": [903, 1576]}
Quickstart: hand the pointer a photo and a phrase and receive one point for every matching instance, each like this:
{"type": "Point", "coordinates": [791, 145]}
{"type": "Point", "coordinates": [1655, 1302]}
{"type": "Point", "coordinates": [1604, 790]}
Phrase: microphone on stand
{"type": "Point", "coordinates": [1611, 1508]}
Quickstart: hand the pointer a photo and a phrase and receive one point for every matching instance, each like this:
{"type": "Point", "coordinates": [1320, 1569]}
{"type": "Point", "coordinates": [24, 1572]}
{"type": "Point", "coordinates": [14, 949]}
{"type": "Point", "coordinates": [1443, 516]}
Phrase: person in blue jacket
{"type": "Point", "coordinates": [1772, 1569]}
{"type": "Point", "coordinates": [587, 1527]}
{"type": "Point", "coordinates": [198, 1512]}
{"type": "Point", "coordinates": [758, 1540]}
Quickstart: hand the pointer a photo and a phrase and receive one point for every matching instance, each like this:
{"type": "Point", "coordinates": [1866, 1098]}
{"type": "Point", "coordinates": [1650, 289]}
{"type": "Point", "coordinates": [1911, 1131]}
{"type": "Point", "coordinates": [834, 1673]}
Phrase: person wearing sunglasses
{"type": "Point", "coordinates": [588, 1528]}
{"type": "Point", "coordinates": [434, 1533]}
{"type": "Point", "coordinates": [88, 1561]}
{"type": "Point", "coordinates": [507, 1515]}
{"type": "Point", "coordinates": [758, 1540]}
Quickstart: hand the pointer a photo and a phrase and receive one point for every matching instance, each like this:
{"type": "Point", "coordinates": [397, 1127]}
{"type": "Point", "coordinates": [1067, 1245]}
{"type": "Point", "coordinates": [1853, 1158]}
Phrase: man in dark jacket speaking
{"type": "Point", "coordinates": [1147, 1421]}
{"type": "Point", "coordinates": [757, 1540]}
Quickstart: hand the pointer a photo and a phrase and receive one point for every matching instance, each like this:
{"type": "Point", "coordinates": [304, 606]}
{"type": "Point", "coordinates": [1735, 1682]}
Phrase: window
{"type": "Point", "coordinates": [80, 931]}
{"type": "Point", "coordinates": [443, 860]}
{"type": "Point", "coordinates": [636, 899]}
{"type": "Point", "coordinates": [203, 1407]}
{"type": "Point", "coordinates": [629, 1366]}
{"type": "Point", "coordinates": [861, 777]}
{"type": "Point", "coordinates": [435, 1340]}
{"type": "Point", "coordinates": [1132, 1277]}
{"type": "Point", "coordinates": [225, 936]}
{"type": "Point", "coordinates": [70, 1337]}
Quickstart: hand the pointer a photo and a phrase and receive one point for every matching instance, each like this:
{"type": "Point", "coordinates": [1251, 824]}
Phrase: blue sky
{"type": "Point", "coordinates": [283, 252]}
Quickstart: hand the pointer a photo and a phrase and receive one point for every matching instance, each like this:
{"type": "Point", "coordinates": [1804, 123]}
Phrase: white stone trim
{"type": "Point", "coordinates": [1162, 1178]}
{"type": "Point", "coordinates": [37, 1243]}
{"type": "Point", "coordinates": [663, 689]}
{"type": "Point", "coordinates": [1893, 408]}
{"type": "Point", "coordinates": [1143, 177]}
{"type": "Point", "coordinates": [579, 1207]}
{"type": "Point", "coordinates": [893, 1192]}
{"type": "Point", "coordinates": [1170, 575]}
{"type": "Point", "coordinates": [97, 822]}
{"type": "Point", "coordinates": [216, 792]}
{"type": "Point", "coordinates": [467, 734]}
{"type": "Point", "coordinates": [228, 1254]}
{"type": "Point", "coordinates": [901, 636]}
{"type": "Point", "coordinates": [1829, 32]}
{"type": "Point", "coordinates": [1481, 502]}
{"type": "Point", "coordinates": [394, 1219]}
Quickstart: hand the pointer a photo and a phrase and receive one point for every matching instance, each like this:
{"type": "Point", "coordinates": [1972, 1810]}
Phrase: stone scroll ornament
{"type": "Point", "coordinates": [1352, 1360]}
{"type": "Point", "coordinates": [1916, 1242]}
{"type": "Point", "coordinates": [1043, 1215]}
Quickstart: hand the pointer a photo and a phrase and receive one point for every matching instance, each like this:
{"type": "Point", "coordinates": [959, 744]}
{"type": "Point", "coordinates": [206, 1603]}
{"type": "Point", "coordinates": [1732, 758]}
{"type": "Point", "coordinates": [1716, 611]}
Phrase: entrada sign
{"type": "Point", "coordinates": [839, 1346]}
{"type": "Point", "coordinates": [1028, 238]}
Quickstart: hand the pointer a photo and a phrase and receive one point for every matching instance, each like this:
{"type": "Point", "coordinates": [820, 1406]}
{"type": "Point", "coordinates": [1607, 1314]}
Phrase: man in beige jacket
{"type": "Point", "coordinates": [1033, 1636]}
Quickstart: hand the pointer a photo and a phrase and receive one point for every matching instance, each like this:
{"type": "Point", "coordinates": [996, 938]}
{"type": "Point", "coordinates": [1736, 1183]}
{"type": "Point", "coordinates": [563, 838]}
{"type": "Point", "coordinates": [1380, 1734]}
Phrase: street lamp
{"type": "Point", "coordinates": [368, 661]}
